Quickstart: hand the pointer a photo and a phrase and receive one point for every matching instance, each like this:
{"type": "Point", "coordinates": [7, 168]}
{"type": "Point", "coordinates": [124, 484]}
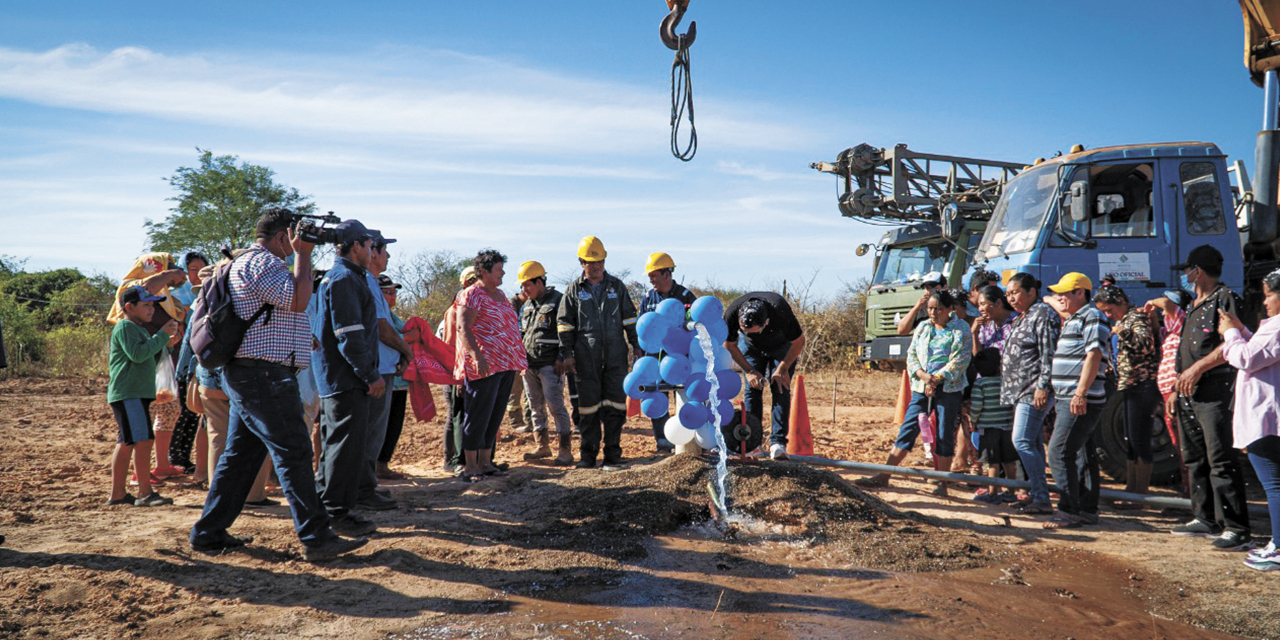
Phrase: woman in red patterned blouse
{"type": "Point", "coordinates": [492, 353]}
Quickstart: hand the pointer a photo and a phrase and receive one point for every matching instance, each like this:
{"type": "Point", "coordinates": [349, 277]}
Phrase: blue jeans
{"type": "Point", "coordinates": [265, 418]}
{"type": "Point", "coordinates": [766, 362]}
{"type": "Point", "coordinates": [948, 406]}
{"type": "Point", "coordinates": [1028, 439]}
{"type": "Point", "coordinates": [1074, 460]}
{"type": "Point", "coordinates": [1264, 454]}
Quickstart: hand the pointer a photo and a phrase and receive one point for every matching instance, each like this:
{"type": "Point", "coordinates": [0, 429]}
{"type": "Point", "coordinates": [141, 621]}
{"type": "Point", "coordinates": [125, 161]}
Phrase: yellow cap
{"type": "Point", "coordinates": [659, 261]}
{"type": "Point", "coordinates": [591, 250]}
{"type": "Point", "coordinates": [1071, 282]}
{"type": "Point", "coordinates": [468, 276]}
{"type": "Point", "coordinates": [530, 270]}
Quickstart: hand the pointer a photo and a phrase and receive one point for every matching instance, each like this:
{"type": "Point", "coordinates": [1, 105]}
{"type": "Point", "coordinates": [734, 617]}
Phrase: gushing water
{"type": "Point", "coordinates": [722, 467]}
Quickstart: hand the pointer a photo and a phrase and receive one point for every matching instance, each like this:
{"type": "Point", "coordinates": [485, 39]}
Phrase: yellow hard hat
{"type": "Point", "coordinates": [530, 270]}
{"type": "Point", "coordinates": [659, 261]}
{"type": "Point", "coordinates": [591, 249]}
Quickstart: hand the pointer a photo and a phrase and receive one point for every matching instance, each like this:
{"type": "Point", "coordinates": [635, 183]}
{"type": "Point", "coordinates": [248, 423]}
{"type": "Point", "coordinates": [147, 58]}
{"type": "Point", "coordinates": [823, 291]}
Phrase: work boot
{"type": "Point", "coordinates": [564, 457]}
{"type": "Point", "coordinates": [544, 447]}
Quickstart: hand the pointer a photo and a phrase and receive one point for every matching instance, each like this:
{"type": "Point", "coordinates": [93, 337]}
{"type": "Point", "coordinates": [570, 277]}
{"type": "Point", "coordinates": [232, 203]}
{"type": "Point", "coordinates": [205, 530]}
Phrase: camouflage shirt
{"type": "Point", "coordinates": [1137, 349]}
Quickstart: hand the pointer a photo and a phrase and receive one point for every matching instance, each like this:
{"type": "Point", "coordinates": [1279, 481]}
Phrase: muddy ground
{"type": "Point", "coordinates": [554, 553]}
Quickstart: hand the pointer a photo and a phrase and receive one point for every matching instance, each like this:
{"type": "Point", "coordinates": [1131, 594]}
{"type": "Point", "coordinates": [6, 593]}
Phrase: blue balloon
{"type": "Point", "coordinates": [651, 329]}
{"type": "Point", "coordinates": [677, 340]}
{"type": "Point", "coordinates": [673, 310]}
{"type": "Point", "coordinates": [674, 368]}
{"type": "Point", "coordinates": [646, 370]}
{"type": "Point", "coordinates": [654, 407]}
{"type": "Point", "coordinates": [631, 385]}
{"type": "Point", "coordinates": [726, 412]}
{"type": "Point", "coordinates": [705, 309]}
{"type": "Point", "coordinates": [730, 384]}
{"type": "Point", "coordinates": [697, 359]}
{"type": "Point", "coordinates": [697, 388]}
{"type": "Point", "coordinates": [695, 414]}
{"type": "Point", "coordinates": [718, 329]}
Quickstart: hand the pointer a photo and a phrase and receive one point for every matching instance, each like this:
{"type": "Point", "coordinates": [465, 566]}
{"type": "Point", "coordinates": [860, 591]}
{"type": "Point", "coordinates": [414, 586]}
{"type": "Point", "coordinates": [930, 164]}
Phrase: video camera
{"type": "Point", "coordinates": [317, 229]}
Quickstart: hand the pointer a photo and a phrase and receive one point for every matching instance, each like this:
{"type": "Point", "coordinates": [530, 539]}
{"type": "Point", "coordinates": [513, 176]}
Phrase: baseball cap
{"type": "Point", "coordinates": [136, 294]}
{"type": "Point", "coordinates": [385, 282]}
{"type": "Point", "coordinates": [933, 277]}
{"type": "Point", "coordinates": [1202, 256]}
{"type": "Point", "coordinates": [468, 273]}
{"type": "Point", "coordinates": [1071, 282]}
{"type": "Point", "coordinates": [350, 231]}
{"type": "Point", "coordinates": [378, 238]}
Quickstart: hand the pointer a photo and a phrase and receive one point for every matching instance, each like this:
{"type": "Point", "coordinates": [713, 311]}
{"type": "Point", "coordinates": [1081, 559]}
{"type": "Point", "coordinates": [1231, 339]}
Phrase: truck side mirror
{"type": "Point", "coordinates": [952, 223]}
{"type": "Point", "coordinates": [1079, 203]}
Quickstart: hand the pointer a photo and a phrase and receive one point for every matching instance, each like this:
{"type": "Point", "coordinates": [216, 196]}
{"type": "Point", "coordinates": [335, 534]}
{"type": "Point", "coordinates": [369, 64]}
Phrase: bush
{"type": "Point", "coordinates": [23, 341]}
{"type": "Point", "coordinates": [77, 350]}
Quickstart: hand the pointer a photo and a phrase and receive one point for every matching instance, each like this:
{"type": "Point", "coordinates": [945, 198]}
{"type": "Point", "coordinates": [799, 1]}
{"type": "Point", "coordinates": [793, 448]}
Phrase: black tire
{"type": "Point", "coordinates": [1113, 447]}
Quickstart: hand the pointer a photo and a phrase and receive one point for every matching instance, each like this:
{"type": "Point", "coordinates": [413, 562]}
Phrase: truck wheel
{"type": "Point", "coordinates": [1113, 447]}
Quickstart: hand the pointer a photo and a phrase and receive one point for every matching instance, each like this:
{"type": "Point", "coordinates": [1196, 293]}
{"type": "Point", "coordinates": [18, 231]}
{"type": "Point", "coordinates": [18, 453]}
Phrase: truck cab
{"type": "Point", "coordinates": [1128, 211]}
{"type": "Point", "coordinates": [904, 256]}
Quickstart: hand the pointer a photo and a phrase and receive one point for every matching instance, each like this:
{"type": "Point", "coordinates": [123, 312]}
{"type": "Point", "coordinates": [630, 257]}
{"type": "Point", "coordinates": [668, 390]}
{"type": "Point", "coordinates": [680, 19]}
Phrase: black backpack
{"type": "Point", "coordinates": [216, 330]}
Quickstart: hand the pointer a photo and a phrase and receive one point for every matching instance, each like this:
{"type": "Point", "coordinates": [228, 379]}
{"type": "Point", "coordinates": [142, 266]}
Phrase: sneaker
{"type": "Point", "coordinates": [333, 548]}
{"type": "Point", "coordinates": [1009, 497]}
{"type": "Point", "coordinates": [665, 446]}
{"type": "Point", "coordinates": [613, 465]}
{"type": "Point", "coordinates": [1265, 559]}
{"type": "Point", "coordinates": [376, 502]}
{"type": "Point", "coordinates": [216, 547]}
{"type": "Point", "coordinates": [1232, 541]}
{"type": "Point", "coordinates": [265, 502]}
{"type": "Point", "coordinates": [127, 499]}
{"type": "Point", "coordinates": [352, 525]}
{"type": "Point", "coordinates": [524, 428]}
{"type": "Point", "coordinates": [153, 499]}
{"type": "Point", "coordinates": [1264, 552]}
{"type": "Point", "coordinates": [585, 464]}
{"type": "Point", "coordinates": [1196, 529]}
{"type": "Point", "coordinates": [777, 452]}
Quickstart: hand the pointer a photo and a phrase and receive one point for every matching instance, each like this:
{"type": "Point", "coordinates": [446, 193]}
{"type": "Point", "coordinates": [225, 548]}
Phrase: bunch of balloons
{"type": "Point", "coordinates": [678, 357]}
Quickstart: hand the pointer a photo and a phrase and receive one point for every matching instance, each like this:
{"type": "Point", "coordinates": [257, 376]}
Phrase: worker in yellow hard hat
{"type": "Point", "coordinates": [595, 321]}
{"type": "Point", "coordinates": [664, 287]}
{"type": "Point", "coordinates": [543, 384]}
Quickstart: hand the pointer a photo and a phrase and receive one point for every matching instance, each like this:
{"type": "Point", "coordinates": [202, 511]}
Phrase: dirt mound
{"type": "Point", "coordinates": [613, 514]}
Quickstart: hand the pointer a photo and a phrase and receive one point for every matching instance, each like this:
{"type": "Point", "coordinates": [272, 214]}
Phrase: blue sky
{"type": "Point", "coordinates": [524, 126]}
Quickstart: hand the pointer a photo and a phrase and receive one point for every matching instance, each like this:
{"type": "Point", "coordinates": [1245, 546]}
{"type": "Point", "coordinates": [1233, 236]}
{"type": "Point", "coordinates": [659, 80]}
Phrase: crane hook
{"type": "Point", "coordinates": [673, 40]}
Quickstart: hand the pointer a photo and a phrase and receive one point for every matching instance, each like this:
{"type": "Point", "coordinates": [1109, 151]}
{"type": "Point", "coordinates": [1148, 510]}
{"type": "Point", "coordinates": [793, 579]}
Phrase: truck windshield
{"type": "Point", "coordinates": [1020, 213]}
{"type": "Point", "coordinates": [900, 265]}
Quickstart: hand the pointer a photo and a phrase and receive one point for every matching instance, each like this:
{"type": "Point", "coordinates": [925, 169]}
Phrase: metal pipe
{"type": "Point", "coordinates": [1107, 494]}
{"type": "Point", "coordinates": [1271, 101]}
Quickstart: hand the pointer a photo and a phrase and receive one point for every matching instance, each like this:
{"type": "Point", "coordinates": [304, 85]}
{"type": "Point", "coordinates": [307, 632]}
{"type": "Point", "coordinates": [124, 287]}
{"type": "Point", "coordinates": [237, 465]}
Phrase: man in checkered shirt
{"type": "Point", "coordinates": [266, 407]}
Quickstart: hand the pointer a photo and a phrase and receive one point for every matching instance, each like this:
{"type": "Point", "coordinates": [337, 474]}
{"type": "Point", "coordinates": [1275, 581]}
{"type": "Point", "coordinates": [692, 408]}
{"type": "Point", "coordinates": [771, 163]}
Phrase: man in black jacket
{"type": "Point", "coordinates": [594, 315]}
{"type": "Point", "coordinates": [543, 384]}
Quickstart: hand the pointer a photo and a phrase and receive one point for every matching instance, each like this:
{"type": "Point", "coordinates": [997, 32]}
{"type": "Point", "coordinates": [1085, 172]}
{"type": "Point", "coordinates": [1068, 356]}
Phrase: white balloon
{"type": "Point", "coordinates": [706, 436]}
{"type": "Point", "coordinates": [676, 433]}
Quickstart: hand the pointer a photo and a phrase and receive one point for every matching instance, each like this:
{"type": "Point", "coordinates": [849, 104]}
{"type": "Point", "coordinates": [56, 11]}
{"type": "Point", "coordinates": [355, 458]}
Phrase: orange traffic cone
{"type": "Point", "coordinates": [799, 438]}
{"type": "Point", "coordinates": [904, 399]}
{"type": "Point", "coordinates": [633, 407]}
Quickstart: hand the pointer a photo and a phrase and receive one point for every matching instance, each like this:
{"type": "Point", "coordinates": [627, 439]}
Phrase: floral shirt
{"type": "Point", "coordinates": [1137, 349]}
{"type": "Point", "coordinates": [942, 352]}
{"type": "Point", "coordinates": [497, 333]}
{"type": "Point", "coordinates": [1027, 359]}
{"type": "Point", "coordinates": [992, 335]}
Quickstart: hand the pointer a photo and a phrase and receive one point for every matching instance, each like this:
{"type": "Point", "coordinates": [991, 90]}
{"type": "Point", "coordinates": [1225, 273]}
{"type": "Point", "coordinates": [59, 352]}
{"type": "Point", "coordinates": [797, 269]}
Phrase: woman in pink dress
{"type": "Point", "coordinates": [491, 354]}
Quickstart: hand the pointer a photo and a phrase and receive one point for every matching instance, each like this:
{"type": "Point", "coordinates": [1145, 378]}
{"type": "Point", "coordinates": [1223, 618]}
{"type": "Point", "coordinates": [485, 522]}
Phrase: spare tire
{"type": "Point", "coordinates": [1113, 447]}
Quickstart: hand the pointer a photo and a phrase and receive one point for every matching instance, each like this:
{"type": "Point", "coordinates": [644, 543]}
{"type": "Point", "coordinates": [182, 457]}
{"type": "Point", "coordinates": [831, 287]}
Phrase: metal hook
{"type": "Point", "coordinates": [673, 40]}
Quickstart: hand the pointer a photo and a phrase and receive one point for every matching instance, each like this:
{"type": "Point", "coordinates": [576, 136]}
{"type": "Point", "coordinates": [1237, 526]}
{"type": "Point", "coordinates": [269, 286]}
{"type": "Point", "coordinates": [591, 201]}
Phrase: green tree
{"type": "Point", "coordinates": [218, 204]}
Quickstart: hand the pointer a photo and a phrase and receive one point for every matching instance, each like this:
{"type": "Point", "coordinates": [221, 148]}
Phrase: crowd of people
{"type": "Point", "coordinates": [316, 393]}
{"type": "Point", "coordinates": [1029, 365]}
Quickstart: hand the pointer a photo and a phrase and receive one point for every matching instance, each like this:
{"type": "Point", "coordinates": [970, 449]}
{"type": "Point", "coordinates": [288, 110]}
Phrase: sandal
{"type": "Point", "coordinates": [940, 491]}
{"type": "Point", "coordinates": [1062, 522]}
{"type": "Point", "coordinates": [471, 479]}
{"type": "Point", "coordinates": [1036, 509]}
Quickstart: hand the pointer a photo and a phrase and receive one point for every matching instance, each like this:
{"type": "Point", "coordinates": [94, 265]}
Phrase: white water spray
{"type": "Point", "coordinates": [722, 467]}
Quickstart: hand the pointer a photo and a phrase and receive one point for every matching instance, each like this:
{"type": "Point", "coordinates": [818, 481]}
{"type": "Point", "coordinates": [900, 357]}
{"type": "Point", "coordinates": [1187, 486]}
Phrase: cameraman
{"type": "Point", "coordinates": [262, 386]}
{"type": "Point", "coordinates": [345, 323]}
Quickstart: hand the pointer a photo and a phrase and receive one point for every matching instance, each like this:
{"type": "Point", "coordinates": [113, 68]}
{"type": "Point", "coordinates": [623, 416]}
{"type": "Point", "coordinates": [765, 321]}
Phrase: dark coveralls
{"type": "Point", "coordinates": [591, 327]}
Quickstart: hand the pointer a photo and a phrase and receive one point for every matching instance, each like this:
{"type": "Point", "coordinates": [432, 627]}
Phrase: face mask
{"type": "Point", "coordinates": [1186, 283]}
